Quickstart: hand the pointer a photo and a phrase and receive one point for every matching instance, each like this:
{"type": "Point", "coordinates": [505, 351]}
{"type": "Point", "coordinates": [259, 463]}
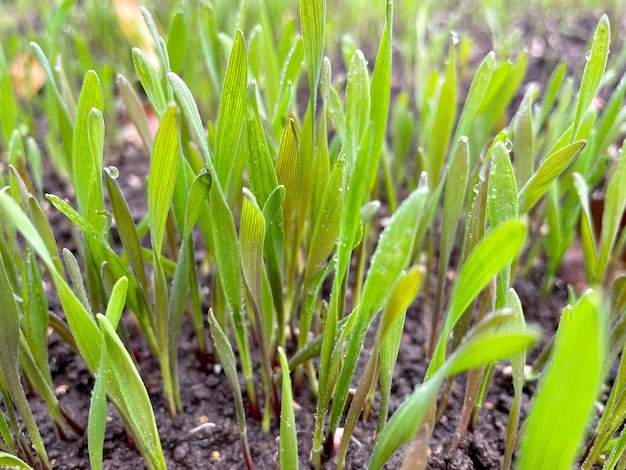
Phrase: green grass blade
{"type": "Point", "coordinates": [10, 343]}
{"type": "Point", "coordinates": [228, 258]}
{"type": "Point", "coordinates": [183, 283]}
{"type": "Point", "coordinates": [76, 277]}
{"type": "Point", "coordinates": [336, 114]}
{"type": "Point", "coordinates": [7, 435]}
{"type": "Point", "coordinates": [150, 81]}
{"type": "Point", "coordinates": [66, 122]}
{"type": "Point", "coordinates": [380, 89]}
{"type": "Point", "coordinates": [261, 171]}
{"type": "Point", "coordinates": [84, 169]}
{"type": "Point", "coordinates": [177, 41]}
{"type": "Point", "coordinates": [587, 235]}
{"type": "Point", "coordinates": [154, 32]}
{"type": "Point", "coordinates": [251, 239]}
{"type": "Point", "coordinates": [401, 135]}
{"type": "Point", "coordinates": [618, 454]}
{"type": "Point", "coordinates": [35, 163]}
{"type": "Point", "coordinates": [612, 118]}
{"type": "Point", "coordinates": [349, 227]}
{"type": "Point", "coordinates": [288, 172]}
{"type": "Point", "coordinates": [321, 158]}
{"type": "Point", "coordinates": [327, 222]}
{"type": "Point", "coordinates": [592, 75]}
{"type": "Point", "coordinates": [77, 219]}
{"type": "Point", "coordinates": [274, 252]}
{"type": "Point", "coordinates": [289, 78]}
{"type": "Point", "coordinates": [357, 105]}
{"type": "Point", "coordinates": [391, 254]}
{"type": "Point", "coordinates": [405, 422]}
{"type": "Point", "coordinates": [13, 462]}
{"type": "Point", "coordinates": [487, 259]}
{"type": "Point", "coordinates": [518, 362]}
{"type": "Point", "coordinates": [231, 110]}
{"type": "Point", "coordinates": [162, 176]}
{"type": "Point", "coordinates": [228, 361]}
{"type": "Point", "coordinates": [502, 207]}
{"type": "Point", "coordinates": [323, 240]}
{"type": "Point", "coordinates": [135, 110]}
{"type": "Point", "coordinates": [192, 115]}
{"type": "Point", "coordinates": [251, 236]}
{"type": "Point", "coordinates": [198, 197]}
{"type": "Point", "coordinates": [271, 56]}
{"type": "Point", "coordinates": [615, 201]}
{"type": "Point", "coordinates": [121, 372]}
{"type": "Point", "coordinates": [489, 343]}
{"type": "Point", "coordinates": [390, 258]}
{"type": "Point", "coordinates": [117, 301]}
{"type": "Point", "coordinates": [550, 169]}
{"type": "Point", "coordinates": [35, 313]}
{"type": "Point", "coordinates": [503, 86]}
{"type": "Point", "coordinates": [313, 21]}
{"type": "Point", "coordinates": [556, 425]}
{"type": "Point", "coordinates": [16, 160]}
{"type": "Point", "coordinates": [475, 95]}
{"type": "Point", "coordinates": [523, 140]}
{"type": "Point", "coordinates": [404, 292]}
{"type": "Point", "coordinates": [390, 334]}
{"type": "Point", "coordinates": [95, 128]}
{"type": "Point", "coordinates": [8, 110]}
{"type": "Point", "coordinates": [439, 139]}
{"type": "Point", "coordinates": [126, 227]}
{"type": "Point", "coordinates": [551, 92]}
{"type": "Point", "coordinates": [96, 425]}
{"type": "Point", "coordinates": [42, 226]}
{"type": "Point", "coordinates": [227, 251]}
{"type": "Point", "coordinates": [288, 436]}
{"type": "Point", "coordinates": [209, 42]}
{"type": "Point", "coordinates": [453, 204]}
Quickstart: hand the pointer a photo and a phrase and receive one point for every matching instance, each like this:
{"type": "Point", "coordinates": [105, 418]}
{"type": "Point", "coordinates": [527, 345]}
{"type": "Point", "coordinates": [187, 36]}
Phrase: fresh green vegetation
{"type": "Point", "coordinates": [315, 198]}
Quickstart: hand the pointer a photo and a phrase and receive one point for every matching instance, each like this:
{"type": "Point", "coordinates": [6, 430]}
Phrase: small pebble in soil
{"type": "Point", "coordinates": [212, 381]}
{"type": "Point", "coordinates": [203, 443]}
{"type": "Point", "coordinates": [181, 451]}
{"type": "Point", "coordinates": [200, 392]}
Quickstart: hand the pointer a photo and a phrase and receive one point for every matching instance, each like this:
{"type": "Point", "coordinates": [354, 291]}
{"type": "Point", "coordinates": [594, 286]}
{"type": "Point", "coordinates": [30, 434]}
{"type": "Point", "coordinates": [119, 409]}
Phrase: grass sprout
{"type": "Point", "coordinates": [308, 199]}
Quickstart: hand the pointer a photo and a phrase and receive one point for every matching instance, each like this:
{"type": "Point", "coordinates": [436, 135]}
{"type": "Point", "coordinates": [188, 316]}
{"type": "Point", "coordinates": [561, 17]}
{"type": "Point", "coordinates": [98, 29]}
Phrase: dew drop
{"type": "Point", "coordinates": [508, 145]}
{"type": "Point", "coordinates": [112, 171]}
{"type": "Point", "coordinates": [588, 55]}
{"type": "Point", "coordinates": [455, 37]}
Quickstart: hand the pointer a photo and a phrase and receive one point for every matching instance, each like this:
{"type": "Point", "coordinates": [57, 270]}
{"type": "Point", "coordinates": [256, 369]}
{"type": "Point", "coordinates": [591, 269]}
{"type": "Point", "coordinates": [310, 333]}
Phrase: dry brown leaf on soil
{"type": "Point", "coordinates": [27, 76]}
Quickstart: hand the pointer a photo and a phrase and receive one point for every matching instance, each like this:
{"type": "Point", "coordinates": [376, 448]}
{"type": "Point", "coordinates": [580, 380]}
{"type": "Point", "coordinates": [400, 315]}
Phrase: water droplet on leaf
{"type": "Point", "coordinates": [112, 171]}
